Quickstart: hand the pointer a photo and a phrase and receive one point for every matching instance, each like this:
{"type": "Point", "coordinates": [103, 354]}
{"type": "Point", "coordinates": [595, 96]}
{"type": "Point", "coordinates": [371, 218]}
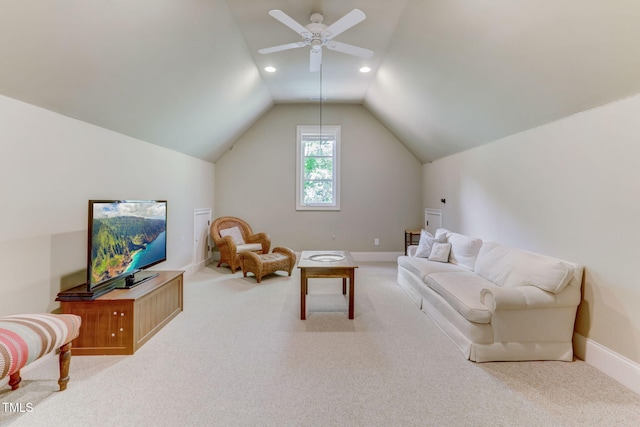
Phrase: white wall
{"type": "Point", "coordinates": [567, 189]}
{"type": "Point", "coordinates": [51, 166]}
{"type": "Point", "coordinates": [380, 182]}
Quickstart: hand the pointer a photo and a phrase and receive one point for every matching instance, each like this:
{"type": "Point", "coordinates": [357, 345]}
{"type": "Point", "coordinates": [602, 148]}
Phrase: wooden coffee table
{"type": "Point", "coordinates": [326, 264]}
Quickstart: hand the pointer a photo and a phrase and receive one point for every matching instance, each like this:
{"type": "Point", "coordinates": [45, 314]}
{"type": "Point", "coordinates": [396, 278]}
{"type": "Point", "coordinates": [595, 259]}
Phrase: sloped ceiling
{"type": "Point", "coordinates": [447, 75]}
{"type": "Point", "coordinates": [458, 73]}
{"type": "Point", "coordinates": [176, 73]}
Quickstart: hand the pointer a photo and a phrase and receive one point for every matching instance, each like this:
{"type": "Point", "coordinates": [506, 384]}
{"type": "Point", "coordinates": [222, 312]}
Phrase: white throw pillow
{"type": "Point", "coordinates": [426, 243]}
{"type": "Point", "coordinates": [235, 234]}
{"type": "Point", "coordinates": [442, 231]}
{"type": "Point", "coordinates": [440, 252]}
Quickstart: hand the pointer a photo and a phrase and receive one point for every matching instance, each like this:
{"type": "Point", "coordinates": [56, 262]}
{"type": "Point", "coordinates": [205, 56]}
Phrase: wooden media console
{"type": "Point", "coordinates": [122, 320]}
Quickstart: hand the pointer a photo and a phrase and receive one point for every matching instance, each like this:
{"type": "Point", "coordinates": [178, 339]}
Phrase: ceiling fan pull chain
{"type": "Point", "coordinates": [320, 101]}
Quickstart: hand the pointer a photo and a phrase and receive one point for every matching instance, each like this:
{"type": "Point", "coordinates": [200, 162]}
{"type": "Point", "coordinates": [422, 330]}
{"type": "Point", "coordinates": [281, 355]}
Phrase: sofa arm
{"type": "Point", "coordinates": [527, 297]}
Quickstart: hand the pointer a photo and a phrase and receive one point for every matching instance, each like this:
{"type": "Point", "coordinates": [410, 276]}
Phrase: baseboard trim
{"type": "Point", "coordinates": [618, 367]}
{"type": "Point", "coordinates": [194, 268]}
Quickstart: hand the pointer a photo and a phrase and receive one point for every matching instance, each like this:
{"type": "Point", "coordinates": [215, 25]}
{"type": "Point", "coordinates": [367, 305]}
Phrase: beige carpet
{"type": "Point", "coordinates": [239, 355]}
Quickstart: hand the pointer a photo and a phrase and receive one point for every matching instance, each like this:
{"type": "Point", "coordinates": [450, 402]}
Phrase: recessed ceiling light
{"type": "Point", "coordinates": [270, 69]}
{"type": "Point", "coordinates": [365, 69]}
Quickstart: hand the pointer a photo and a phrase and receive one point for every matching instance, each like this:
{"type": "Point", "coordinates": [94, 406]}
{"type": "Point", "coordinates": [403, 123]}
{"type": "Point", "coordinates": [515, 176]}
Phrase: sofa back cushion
{"type": "Point", "coordinates": [511, 267]}
{"type": "Point", "coordinates": [464, 249]}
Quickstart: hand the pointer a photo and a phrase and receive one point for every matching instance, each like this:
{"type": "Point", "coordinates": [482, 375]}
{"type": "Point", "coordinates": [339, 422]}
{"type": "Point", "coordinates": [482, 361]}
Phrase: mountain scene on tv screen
{"type": "Point", "coordinates": [118, 241]}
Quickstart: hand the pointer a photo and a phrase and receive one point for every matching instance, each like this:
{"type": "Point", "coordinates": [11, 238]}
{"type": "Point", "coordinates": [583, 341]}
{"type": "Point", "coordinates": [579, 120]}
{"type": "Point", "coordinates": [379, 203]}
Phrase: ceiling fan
{"type": "Point", "coordinates": [317, 35]}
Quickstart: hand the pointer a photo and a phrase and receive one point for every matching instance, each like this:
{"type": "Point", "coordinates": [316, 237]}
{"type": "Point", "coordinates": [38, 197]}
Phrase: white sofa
{"type": "Point", "coordinates": [495, 302]}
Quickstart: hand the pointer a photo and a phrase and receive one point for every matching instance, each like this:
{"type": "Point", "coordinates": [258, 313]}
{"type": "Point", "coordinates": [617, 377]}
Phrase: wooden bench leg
{"type": "Point", "coordinates": [65, 361]}
{"type": "Point", "coordinates": [14, 380]}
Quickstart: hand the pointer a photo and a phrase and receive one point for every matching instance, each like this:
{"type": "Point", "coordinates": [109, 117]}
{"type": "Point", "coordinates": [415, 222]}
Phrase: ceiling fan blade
{"type": "Point", "coordinates": [350, 49]}
{"type": "Point", "coordinates": [347, 21]}
{"type": "Point", "coordinates": [290, 22]}
{"type": "Point", "coordinates": [281, 47]}
{"type": "Point", "coordinates": [315, 60]}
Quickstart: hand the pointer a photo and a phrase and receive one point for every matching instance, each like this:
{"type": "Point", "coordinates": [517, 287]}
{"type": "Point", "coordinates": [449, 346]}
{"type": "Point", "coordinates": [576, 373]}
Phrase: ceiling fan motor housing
{"type": "Point", "coordinates": [318, 37]}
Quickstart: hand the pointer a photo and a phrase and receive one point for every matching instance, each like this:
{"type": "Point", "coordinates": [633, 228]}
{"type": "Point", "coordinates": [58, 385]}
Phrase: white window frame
{"type": "Point", "coordinates": [309, 129]}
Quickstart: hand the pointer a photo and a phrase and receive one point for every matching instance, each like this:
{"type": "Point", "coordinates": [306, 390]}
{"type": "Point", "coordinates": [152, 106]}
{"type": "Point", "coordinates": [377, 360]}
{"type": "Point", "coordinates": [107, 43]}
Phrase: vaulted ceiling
{"type": "Point", "coordinates": [447, 75]}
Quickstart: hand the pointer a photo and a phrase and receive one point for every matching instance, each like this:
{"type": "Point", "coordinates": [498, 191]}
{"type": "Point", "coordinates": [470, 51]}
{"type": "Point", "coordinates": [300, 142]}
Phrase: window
{"type": "Point", "coordinates": [318, 168]}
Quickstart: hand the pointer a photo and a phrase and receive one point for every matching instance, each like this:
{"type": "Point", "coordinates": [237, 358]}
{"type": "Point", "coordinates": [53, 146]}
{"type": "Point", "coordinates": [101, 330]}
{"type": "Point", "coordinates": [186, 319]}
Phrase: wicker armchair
{"type": "Point", "coordinates": [233, 236]}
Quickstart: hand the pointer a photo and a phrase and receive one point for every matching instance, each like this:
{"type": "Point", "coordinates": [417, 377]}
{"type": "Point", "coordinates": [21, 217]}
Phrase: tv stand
{"type": "Point", "coordinates": [136, 278]}
{"type": "Point", "coordinates": [122, 320]}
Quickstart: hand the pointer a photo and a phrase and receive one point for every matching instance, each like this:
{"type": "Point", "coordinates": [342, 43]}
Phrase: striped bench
{"type": "Point", "coordinates": [27, 337]}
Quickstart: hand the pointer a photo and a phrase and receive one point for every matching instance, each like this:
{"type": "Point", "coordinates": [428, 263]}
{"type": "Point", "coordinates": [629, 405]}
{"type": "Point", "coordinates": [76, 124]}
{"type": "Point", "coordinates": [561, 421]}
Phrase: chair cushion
{"type": "Point", "coordinates": [248, 247]}
{"type": "Point", "coordinates": [235, 234]}
{"type": "Point", "coordinates": [27, 337]}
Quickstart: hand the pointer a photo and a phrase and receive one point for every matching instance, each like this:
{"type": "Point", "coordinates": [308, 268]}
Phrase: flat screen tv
{"type": "Point", "coordinates": [125, 237]}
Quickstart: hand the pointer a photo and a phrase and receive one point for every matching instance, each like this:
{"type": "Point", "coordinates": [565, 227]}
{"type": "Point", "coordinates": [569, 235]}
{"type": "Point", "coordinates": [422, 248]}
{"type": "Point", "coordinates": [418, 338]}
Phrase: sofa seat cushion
{"type": "Point", "coordinates": [510, 267]}
{"type": "Point", "coordinates": [422, 267]}
{"type": "Point", "coordinates": [462, 291]}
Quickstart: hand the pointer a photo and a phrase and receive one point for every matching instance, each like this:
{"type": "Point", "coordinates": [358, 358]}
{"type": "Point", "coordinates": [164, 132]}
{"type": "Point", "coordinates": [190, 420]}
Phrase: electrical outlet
{"type": "Point", "coordinates": [333, 237]}
{"type": "Point", "coordinates": [376, 241]}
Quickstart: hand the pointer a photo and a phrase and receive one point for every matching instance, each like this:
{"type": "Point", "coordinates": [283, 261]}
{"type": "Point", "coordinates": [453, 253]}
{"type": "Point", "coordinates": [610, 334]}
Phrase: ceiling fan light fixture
{"type": "Point", "coordinates": [318, 35]}
{"type": "Point", "coordinates": [270, 69]}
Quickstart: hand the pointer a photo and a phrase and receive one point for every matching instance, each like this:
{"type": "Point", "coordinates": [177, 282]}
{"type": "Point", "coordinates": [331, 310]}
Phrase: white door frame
{"type": "Point", "coordinates": [433, 213]}
{"type": "Point", "coordinates": [200, 263]}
